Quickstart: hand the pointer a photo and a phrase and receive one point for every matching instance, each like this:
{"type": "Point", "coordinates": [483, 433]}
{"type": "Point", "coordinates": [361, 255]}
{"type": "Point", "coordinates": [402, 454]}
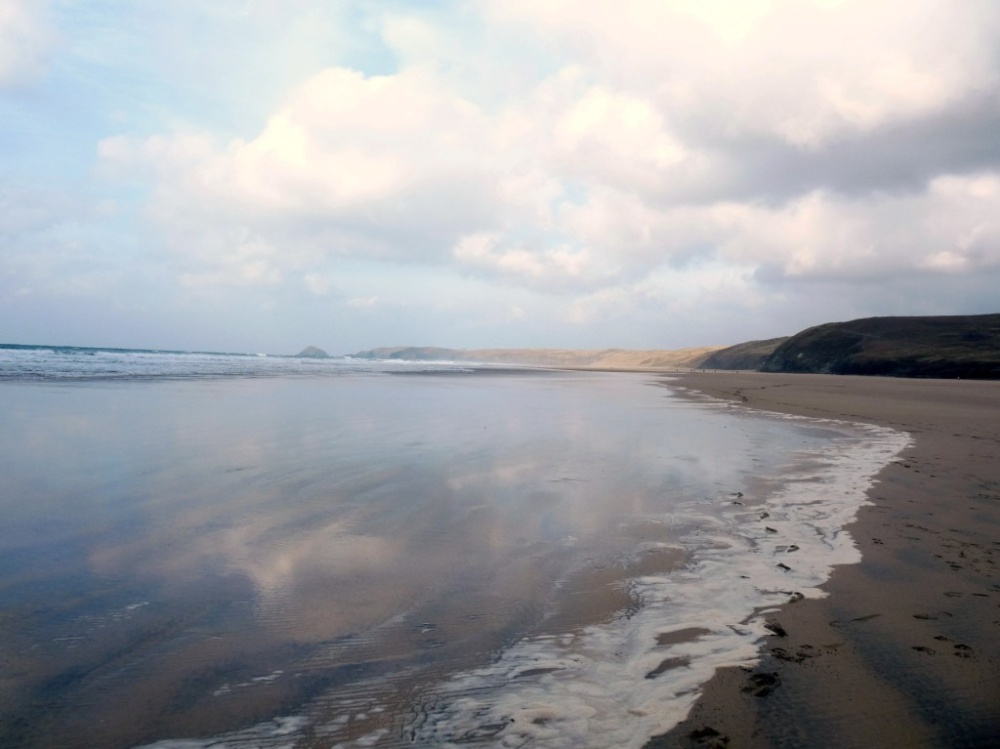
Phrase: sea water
{"type": "Point", "coordinates": [206, 550]}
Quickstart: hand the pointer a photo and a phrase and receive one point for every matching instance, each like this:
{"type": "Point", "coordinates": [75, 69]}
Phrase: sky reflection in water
{"type": "Point", "coordinates": [165, 543]}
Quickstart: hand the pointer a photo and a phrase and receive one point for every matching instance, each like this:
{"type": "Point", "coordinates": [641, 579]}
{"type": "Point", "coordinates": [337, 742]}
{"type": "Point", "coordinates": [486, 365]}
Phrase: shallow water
{"type": "Point", "coordinates": [536, 558]}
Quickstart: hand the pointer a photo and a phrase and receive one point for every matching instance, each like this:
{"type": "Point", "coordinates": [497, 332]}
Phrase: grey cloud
{"type": "Point", "coordinates": [899, 157]}
{"type": "Point", "coordinates": [902, 293]}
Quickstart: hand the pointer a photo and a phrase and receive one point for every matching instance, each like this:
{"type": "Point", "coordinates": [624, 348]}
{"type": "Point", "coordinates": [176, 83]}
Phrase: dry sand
{"type": "Point", "coordinates": [905, 650]}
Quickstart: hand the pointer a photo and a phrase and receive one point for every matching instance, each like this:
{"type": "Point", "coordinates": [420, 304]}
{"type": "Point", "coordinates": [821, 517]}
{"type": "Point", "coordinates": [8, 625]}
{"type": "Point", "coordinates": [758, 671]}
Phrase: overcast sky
{"type": "Point", "coordinates": [258, 175]}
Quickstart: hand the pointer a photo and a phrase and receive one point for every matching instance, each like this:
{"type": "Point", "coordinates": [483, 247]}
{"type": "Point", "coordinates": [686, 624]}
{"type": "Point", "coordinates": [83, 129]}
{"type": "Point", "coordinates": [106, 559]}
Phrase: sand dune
{"type": "Point", "coordinates": [623, 359]}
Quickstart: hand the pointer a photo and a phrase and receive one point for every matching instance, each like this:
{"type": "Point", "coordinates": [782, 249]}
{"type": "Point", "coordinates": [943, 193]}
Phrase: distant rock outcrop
{"type": "Point", "coordinates": [411, 353]}
{"type": "Point", "coordinates": [311, 352]}
{"type": "Point", "coordinates": [966, 346]}
{"type": "Point", "coordinates": [749, 355]}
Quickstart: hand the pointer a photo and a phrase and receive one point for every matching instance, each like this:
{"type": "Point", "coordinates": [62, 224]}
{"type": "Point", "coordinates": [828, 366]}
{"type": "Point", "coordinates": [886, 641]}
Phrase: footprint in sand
{"type": "Point", "coordinates": [963, 651]}
{"type": "Point", "coordinates": [931, 617]}
{"type": "Point", "coordinates": [708, 738]}
{"type": "Point", "coordinates": [802, 654]}
{"type": "Point", "coordinates": [775, 628]}
{"type": "Point", "coordinates": [762, 684]}
{"type": "Point", "coordinates": [858, 620]}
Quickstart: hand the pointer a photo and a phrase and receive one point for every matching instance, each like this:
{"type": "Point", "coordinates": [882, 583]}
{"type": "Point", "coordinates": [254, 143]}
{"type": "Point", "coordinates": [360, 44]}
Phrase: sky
{"type": "Point", "coordinates": [262, 175]}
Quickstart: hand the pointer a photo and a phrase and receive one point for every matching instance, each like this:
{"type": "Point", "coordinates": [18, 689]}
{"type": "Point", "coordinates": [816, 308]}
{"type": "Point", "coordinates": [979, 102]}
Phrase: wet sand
{"type": "Point", "coordinates": [370, 560]}
{"type": "Point", "coordinates": [905, 650]}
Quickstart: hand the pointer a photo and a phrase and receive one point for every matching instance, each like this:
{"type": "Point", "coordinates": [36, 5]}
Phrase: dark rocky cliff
{"type": "Point", "coordinates": [966, 346]}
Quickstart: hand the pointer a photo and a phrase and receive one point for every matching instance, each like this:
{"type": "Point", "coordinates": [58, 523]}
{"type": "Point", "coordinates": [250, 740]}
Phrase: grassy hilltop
{"type": "Point", "coordinates": [966, 346]}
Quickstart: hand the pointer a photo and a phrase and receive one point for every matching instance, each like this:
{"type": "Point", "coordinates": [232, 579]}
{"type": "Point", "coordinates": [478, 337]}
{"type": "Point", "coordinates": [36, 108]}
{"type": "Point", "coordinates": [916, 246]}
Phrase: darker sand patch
{"type": "Point", "coordinates": [690, 634]}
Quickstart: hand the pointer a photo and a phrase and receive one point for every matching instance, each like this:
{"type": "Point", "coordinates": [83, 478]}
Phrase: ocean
{"type": "Point", "coordinates": [243, 551]}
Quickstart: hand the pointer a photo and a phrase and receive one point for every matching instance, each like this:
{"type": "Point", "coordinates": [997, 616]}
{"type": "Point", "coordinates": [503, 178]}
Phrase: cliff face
{"type": "Point", "coordinates": [966, 346]}
{"type": "Point", "coordinates": [750, 355]}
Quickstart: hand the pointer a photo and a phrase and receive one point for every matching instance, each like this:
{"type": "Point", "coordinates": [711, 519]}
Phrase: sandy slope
{"type": "Point", "coordinates": [583, 359]}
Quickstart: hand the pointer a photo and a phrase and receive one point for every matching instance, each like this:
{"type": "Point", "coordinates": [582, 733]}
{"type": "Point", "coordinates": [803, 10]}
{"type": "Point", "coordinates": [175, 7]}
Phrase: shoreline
{"type": "Point", "coordinates": [905, 650]}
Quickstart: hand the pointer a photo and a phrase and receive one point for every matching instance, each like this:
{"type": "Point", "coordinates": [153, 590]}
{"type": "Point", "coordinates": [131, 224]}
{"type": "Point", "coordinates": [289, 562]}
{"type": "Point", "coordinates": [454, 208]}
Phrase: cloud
{"type": "Point", "coordinates": [800, 71]}
{"type": "Point", "coordinates": [248, 261]}
{"type": "Point", "coordinates": [817, 235]}
{"type": "Point", "coordinates": [609, 137]}
{"type": "Point", "coordinates": [364, 303]}
{"type": "Point", "coordinates": [551, 267]}
{"type": "Point", "coordinates": [45, 243]}
{"type": "Point", "coordinates": [350, 164]}
{"type": "Point", "coordinates": [640, 158]}
{"type": "Point", "coordinates": [26, 38]}
{"type": "Point", "coordinates": [881, 237]}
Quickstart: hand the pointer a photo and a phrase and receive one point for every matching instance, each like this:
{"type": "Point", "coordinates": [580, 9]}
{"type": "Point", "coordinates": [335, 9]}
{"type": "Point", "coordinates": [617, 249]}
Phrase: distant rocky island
{"type": "Point", "coordinates": [312, 352]}
{"type": "Point", "coordinates": [965, 346]}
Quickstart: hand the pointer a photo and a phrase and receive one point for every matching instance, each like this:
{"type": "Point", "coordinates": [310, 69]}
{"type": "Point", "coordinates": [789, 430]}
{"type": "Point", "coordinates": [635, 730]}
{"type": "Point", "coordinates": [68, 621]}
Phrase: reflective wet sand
{"type": "Point", "coordinates": [188, 559]}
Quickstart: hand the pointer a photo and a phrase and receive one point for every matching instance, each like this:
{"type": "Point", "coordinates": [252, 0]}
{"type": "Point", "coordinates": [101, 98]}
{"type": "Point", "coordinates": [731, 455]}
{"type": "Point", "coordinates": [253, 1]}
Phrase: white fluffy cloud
{"type": "Point", "coordinates": [348, 153]}
{"type": "Point", "coordinates": [805, 71]}
{"type": "Point", "coordinates": [877, 238]}
{"type": "Point", "coordinates": [341, 140]}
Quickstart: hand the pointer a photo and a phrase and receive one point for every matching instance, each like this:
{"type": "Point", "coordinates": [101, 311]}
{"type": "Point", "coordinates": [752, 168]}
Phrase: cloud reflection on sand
{"type": "Point", "coordinates": [383, 519]}
{"type": "Point", "coordinates": [302, 541]}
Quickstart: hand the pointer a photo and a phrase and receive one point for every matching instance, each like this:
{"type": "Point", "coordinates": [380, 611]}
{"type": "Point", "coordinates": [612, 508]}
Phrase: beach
{"type": "Point", "coordinates": [905, 649]}
{"type": "Point", "coordinates": [268, 554]}
{"type": "Point", "coordinates": [234, 551]}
